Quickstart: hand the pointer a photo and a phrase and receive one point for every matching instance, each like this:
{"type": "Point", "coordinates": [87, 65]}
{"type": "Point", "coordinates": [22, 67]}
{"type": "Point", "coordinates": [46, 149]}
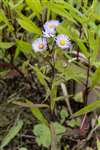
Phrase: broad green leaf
{"type": "Point", "coordinates": [59, 128]}
{"type": "Point", "coordinates": [90, 107]}
{"type": "Point", "coordinates": [28, 25]}
{"type": "Point", "coordinates": [12, 133]}
{"type": "Point", "coordinates": [6, 45]}
{"type": "Point", "coordinates": [43, 135]}
{"type": "Point", "coordinates": [72, 71]}
{"type": "Point", "coordinates": [37, 113]}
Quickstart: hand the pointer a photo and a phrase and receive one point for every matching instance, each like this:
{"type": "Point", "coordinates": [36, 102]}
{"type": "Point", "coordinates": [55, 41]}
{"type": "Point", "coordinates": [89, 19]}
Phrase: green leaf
{"type": "Point", "coordinates": [63, 114]}
{"type": "Point", "coordinates": [28, 25]}
{"type": "Point", "coordinates": [12, 133]}
{"type": "Point", "coordinates": [17, 5]}
{"type": "Point", "coordinates": [59, 128]}
{"type": "Point", "coordinates": [23, 148]}
{"type": "Point", "coordinates": [99, 120]}
{"type": "Point", "coordinates": [23, 46]}
{"type": "Point", "coordinates": [72, 71]}
{"type": "Point", "coordinates": [37, 113]}
{"type": "Point", "coordinates": [43, 135]}
{"type": "Point", "coordinates": [74, 122]}
{"type": "Point", "coordinates": [79, 97]}
{"type": "Point", "coordinates": [4, 19]}
{"type": "Point", "coordinates": [6, 45]}
{"type": "Point", "coordinates": [95, 49]}
{"type": "Point", "coordinates": [95, 78]}
{"type": "Point", "coordinates": [53, 96]}
{"type": "Point", "coordinates": [83, 48]}
{"type": "Point", "coordinates": [35, 6]}
{"type": "Point", "coordinates": [90, 107]}
{"type": "Point", "coordinates": [98, 144]}
{"type": "Point", "coordinates": [58, 9]}
{"type": "Point", "coordinates": [42, 78]}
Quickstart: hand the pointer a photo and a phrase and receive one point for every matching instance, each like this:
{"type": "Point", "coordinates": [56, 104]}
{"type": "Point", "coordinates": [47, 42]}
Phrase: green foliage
{"type": "Point", "coordinates": [94, 78]}
{"type": "Point", "coordinates": [98, 144]}
{"type": "Point", "coordinates": [63, 114]}
{"type": "Point", "coordinates": [28, 25]}
{"type": "Point", "coordinates": [24, 47]}
{"type": "Point", "coordinates": [12, 133]}
{"type": "Point", "coordinates": [21, 22]}
{"type": "Point", "coordinates": [23, 148]}
{"type": "Point", "coordinates": [74, 122]}
{"type": "Point", "coordinates": [90, 107]}
{"type": "Point", "coordinates": [43, 134]}
{"type": "Point", "coordinates": [35, 6]}
{"type": "Point", "coordinates": [38, 114]}
{"type": "Point", "coordinates": [98, 121]}
{"type": "Point", "coordinates": [6, 45]}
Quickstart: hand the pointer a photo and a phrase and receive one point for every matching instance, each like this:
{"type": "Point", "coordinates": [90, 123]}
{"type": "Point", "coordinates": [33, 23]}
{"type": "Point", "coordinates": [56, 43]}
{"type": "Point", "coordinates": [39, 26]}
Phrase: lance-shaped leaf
{"type": "Point", "coordinates": [6, 45]}
{"type": "Point", "coordinates": [90, 107]}
{"type": "Point", "coordinates": [28, 25]}
{"type": "Point", "coordinates": [12, 133]}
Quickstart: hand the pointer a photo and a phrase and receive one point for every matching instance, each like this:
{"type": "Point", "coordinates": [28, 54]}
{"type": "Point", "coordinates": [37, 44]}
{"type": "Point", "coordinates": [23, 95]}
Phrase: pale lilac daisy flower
{"type": "Point", "coordinates": [39, 45]}
{"type": "Point", "coordinates": [49, 33]}
{"type": "Point", "coordinates": [50, 28]}
{"type": "Point", "coordinates": [63, 41]}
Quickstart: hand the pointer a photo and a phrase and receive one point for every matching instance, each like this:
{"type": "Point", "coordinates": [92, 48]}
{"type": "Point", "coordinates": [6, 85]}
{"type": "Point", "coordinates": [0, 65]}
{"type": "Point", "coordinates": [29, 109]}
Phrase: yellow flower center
{"type": "Point", "coordinates": [51, 25]}
{"type": "Point", "coordinates": [41, 46]}
{"type": "Point", "coordinates": [62, 42]}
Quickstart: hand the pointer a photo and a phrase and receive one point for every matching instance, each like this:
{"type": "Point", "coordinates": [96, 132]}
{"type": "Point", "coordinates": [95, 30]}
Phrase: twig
{"type": "Point", "coordinates": [64, 90]}
{"type": "Point", "coordinates": [91, 132]}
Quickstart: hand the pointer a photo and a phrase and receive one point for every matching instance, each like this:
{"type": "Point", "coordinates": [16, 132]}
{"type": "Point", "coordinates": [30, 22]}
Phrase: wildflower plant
{"type": "Point", "coordinates": [61, 40]}
{"type": "Point", "coordinates": [50, 28]}
{"type": "Point", "coordinates": [49, 63]}
{"type": "Point", "coordinates": [39, 45]}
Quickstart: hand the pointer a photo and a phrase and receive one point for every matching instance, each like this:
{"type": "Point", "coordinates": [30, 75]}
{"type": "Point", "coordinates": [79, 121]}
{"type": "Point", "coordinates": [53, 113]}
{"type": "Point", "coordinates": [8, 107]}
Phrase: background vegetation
{"type": "Point", "coordinates": [47, 102]}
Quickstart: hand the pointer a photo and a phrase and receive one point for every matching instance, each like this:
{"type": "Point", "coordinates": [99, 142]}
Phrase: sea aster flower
{"type": "Point", "coordinates": [63, 41]}
{"type": "Point", "coordinates": [39, 45]}
{"type": "Point", "coordinates": [49, 33]}
{"type": "Point", "coordinates": [50, 28]}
